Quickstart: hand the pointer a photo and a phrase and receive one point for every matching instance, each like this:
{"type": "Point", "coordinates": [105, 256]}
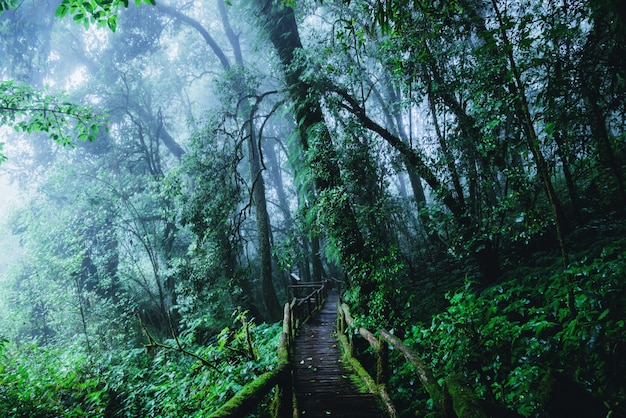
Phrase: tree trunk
{"type": "Point", "coordinates": [606, 155]}
{"type": "Point", "coordinates": [396, 120]}
{"type": "Point", "coordinates": [256, 177]}
{"type": "Point", "coordinates": [263, 226]}
{"type": "Point", "coordinates": [484, 250]}
{"type": "Point", "coordinates": [523, 110]}
{"type": "Point", "coordinates": [314, 136]}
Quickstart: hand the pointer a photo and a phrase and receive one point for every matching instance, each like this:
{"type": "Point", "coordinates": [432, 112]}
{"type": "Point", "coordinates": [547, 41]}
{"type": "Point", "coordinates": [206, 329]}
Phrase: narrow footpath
{"type": "Point", "coordinates": [323, 385]}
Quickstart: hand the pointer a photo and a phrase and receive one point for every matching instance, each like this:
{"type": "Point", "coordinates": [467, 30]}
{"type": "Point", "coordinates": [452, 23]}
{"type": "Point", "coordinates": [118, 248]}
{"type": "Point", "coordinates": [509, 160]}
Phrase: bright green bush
{"type": "Point", "coordinates": [40, 382]}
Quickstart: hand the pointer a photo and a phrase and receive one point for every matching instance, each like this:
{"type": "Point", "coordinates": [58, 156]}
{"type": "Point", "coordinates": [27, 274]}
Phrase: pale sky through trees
{"type": "Point", "coordinates": [8, 194]}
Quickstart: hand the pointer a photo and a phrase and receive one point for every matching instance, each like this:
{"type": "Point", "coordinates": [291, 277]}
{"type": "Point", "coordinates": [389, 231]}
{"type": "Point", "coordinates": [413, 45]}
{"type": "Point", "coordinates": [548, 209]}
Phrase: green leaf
{"type": "Point", "coordinates": [112, 23]}
{"type": "Point", "coordinates": [603, 314]}
{"type": "Point", "coordinates": [3, 158]}
{"type": "Point", "coordinates": [61, 11]}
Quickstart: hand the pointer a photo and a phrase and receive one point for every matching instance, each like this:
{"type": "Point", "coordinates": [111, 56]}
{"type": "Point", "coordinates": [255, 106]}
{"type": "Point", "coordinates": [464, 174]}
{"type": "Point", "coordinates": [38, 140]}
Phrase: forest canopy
{"type": "Point", "coordinates": [455, 170]}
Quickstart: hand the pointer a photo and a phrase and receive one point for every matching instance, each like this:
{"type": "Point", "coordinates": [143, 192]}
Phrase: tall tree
{"type": "Point", "coordinates": [257, 181]}
{"type": "Point", "coordinates": [316, 141]}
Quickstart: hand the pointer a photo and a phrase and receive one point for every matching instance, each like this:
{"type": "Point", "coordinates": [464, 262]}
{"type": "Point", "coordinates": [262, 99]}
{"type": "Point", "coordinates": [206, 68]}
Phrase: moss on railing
{"type": "Point", "coordinates": [247, 399]}
{"type": "Point", "coordinates": [251, 395]}
{"type": "Point", "coordinates": [378, 386]}
{"type": "Point", "coordinates": [456, 399]}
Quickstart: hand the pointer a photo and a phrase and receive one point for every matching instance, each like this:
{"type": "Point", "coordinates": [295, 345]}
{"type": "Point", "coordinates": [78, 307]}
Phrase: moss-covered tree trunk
{"type": "Point", "coordinates": [315, 137]}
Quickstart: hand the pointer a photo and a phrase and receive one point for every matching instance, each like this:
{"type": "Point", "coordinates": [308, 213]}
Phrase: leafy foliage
{"type": "Point", "coordinates": [509, 338]}
{"type": "Point", "coordinates": [30, 110]}
{"type": "Point", "coordinates": [99, 12]}
{"type": "Point", "coordinates": [435, 140]}
{"type": "Point", "coordinates": [48, 383]}
{"type": "Point", "coordinates": [168, 383]}
{"type": "Point", "coordinates": [7, 5]}
{"type": "Point", "coordinates": [132, 382]}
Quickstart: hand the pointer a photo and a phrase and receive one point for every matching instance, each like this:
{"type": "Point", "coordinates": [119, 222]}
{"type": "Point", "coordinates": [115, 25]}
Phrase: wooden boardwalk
{"type": "Point", "coordinates": [323, 385]}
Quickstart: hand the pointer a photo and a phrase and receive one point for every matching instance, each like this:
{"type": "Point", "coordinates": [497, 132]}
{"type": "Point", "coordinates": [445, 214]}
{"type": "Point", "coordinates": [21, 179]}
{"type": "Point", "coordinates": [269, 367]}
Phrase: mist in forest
{"type": "Point", "coordinates": [167, 168]}
{"type": "Point", "coordinates": [100, 214]}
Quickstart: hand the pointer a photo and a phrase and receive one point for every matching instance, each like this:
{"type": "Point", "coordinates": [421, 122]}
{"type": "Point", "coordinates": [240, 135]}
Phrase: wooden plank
{"type": "Point", "coordinates": [323, 385]}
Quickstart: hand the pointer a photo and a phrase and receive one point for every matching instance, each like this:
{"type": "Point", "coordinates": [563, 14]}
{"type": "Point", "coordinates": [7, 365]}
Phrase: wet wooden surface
{"type": "Point", "coordinates": [323, 385]}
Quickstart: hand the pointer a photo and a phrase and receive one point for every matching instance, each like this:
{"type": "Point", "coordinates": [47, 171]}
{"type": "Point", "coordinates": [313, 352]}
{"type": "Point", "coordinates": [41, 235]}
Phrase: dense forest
{"type": "Point", "coordinates": [455, 168]}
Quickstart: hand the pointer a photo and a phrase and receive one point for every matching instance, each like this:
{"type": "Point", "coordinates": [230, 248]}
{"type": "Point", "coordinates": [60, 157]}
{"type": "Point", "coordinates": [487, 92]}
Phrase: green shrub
{"type": "Point", "coordinates": [146, 381]}
{"type": "Point", "coordinates": [40, 382]}
{"type": "Point", "coordinates": [509, 337]}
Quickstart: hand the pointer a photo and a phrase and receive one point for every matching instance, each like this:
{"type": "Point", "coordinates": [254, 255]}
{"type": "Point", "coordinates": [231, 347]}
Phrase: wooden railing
{"type": "Point", "coordinates": [295, 313]}
{"type": "Point", "coordinates": [381, 349]}
{"type": "Point", "coordinates": [307, 300]}
{"type": "Point", "coordinates": [454, 399]}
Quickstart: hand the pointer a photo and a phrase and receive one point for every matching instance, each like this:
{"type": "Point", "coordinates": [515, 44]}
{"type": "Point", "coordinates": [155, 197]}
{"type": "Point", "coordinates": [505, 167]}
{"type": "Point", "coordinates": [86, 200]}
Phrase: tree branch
{"type": "Point", "coordinates": [152, 343]}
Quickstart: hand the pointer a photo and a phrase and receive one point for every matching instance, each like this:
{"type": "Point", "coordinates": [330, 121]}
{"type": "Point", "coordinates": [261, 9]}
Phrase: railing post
{"type": "Point", "coordinates": [294, 318]}
{"type": "Point", "coordinates": [283, 398]}
{"type": "Point", "coordinates": [344, 324]}
{"type": "Point", "coordinates": [308, 307]}
{"type": "Point", "coordinates": [340, 321]}
{"type": "Point", "coordinates": [285, 387]}
{"type": "Point", "coordinates": [382, 367]}
{"type": "Point", "coordinates": [288, 325]}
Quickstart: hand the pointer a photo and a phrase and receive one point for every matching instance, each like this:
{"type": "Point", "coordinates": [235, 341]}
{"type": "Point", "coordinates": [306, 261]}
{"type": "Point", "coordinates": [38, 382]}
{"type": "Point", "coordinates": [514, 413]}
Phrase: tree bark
{"type": "Point", "coordinates": [314, 135]}
{"type": "Point", "coordinates": [263, 224]}
{"type": "Point", "coordinates": [396, 120]}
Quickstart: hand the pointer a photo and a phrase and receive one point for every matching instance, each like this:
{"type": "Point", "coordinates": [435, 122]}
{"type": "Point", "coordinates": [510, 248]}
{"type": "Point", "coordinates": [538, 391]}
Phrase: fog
{"type": "Point", "coordinates": [165, 167]}
{"type": "Point", "coordinates": [115, 135]}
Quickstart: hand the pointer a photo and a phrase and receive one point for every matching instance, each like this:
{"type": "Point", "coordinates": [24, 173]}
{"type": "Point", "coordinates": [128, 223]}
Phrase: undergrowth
{"type": "Point", "coordinates": [510, 341]}
{"type": "Point", "coordinates": [137, 381]}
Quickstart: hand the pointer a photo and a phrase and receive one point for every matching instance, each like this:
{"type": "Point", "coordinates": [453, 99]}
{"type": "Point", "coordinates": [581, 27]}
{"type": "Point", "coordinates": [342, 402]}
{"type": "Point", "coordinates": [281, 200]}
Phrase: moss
{"type": "Point", "coordinates": [367, 383]}
{"type": "Point", "coordinates": [249, 397]}
{"type": "Point", "coordinates": [465, 402]}
{"type": "Point", "coordinates": [284, 397]}
{"type": "Point", "coordinates": [362, 379]}
{"type": "Point", "coordinates": [278, 404]}
{"type": "Point", "coordinates": [348, 360]}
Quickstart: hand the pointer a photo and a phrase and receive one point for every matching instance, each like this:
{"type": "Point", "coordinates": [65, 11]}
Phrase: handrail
{"type": "Point", "coordinates": [309, 284]}
{"type": "Point", "coordinates": [378, 386]}
{"type": "Point", "coordinates": [307, 306]}
{"type": "Point", "coordinates": [441, 400]}
{"type": "Point", "coordinates": [450, 400]}
{"type": "Point", "coordinates": [296, 312]}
